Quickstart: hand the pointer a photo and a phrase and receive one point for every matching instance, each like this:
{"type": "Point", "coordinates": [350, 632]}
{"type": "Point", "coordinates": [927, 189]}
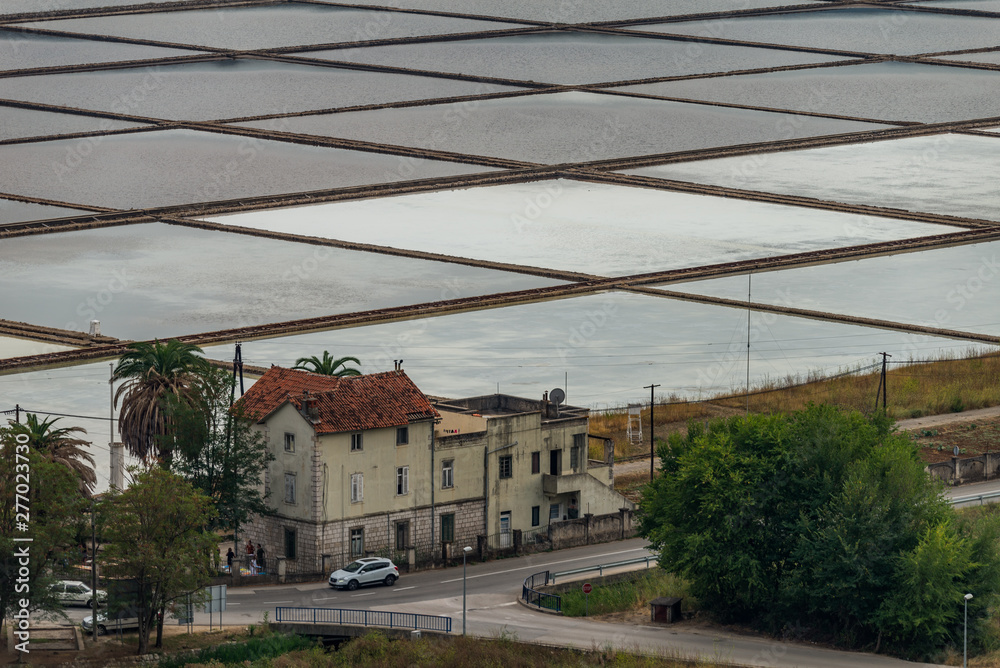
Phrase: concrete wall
{"type": "Point", "coordinates": [591, 529]}
{"type": "Point", "coordinates": [958, 471]}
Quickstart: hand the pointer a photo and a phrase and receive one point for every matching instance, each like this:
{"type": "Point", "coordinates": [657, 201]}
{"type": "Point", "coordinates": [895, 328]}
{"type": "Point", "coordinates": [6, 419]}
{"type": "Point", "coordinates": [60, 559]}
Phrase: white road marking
{"type": "Point", "coordinates": [324, 598]}
{"type": "Point", "coordinates": [276, 602]}
{"type": "Point", "coordinates": [405, 588]}
{"type": "Point", "coordinates": [371, 593]}
{"type": "Point", "coordinates": [541, 567]}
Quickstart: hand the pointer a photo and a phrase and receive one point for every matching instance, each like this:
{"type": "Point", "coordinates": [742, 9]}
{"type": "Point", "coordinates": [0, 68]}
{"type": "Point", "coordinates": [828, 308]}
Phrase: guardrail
{"type": "Point", "coordinates": [975, 497]}
{"type": "Point", "coordinates": [540, 599]}
{"type": "Point", "coordinates": [342, 616]}
{"type": "Point", "coordinates": [600, 567]}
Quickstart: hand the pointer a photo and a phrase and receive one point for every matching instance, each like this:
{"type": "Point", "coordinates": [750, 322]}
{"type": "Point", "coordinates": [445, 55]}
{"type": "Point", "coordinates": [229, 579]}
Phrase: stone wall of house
{"type": "Point", "coordinates": [324, 547]}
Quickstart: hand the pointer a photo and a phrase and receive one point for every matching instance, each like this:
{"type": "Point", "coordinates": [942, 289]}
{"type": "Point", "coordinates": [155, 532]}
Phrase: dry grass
{"type": "Point", "coordinates": [944, 386]}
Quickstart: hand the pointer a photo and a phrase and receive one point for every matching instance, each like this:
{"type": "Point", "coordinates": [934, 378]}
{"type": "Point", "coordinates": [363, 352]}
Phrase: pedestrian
{"type": "Point", "coordinates": [249, 547]}
{"type": "Point", "coordinates": [230, 555]}
{"type": "Point", "coordinates": [260, 557]}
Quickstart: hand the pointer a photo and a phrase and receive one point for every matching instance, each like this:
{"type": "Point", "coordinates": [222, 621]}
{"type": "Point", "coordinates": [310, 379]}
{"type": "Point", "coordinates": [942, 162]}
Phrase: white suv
{"type": "Point", "coordinates": [370, 570]}
{"type": "Point", "coordinates": [74, 592]}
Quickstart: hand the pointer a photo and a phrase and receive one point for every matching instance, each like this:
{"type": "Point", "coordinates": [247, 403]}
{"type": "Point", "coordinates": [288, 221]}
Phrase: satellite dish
{"type": "Point", "coordinates": [557, 396]}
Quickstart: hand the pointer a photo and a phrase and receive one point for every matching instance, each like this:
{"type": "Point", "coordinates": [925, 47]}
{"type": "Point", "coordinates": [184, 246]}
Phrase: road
{"type": "Point", "coordinates": [493, 608]}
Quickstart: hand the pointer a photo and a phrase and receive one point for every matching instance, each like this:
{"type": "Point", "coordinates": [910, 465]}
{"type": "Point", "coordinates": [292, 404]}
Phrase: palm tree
{"type": "Point", "coordinates": [155, 373]}
{"type": "Point", "coordinates": [60, 446]}
{"type": "Point", "coordinates": [328, 366]}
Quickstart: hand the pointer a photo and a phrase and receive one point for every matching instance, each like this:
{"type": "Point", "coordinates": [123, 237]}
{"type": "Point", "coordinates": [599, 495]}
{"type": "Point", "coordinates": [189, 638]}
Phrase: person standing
{"type": "Point", "coordinates": [260, 558]}
{"type": "Point", "coordinates": [230, 555]}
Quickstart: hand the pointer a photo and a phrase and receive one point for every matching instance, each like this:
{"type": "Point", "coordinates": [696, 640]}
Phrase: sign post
{"type": "Point", "coordinates": [586, 598]}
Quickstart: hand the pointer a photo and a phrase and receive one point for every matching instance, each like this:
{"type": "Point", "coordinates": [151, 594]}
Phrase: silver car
{"type": "Point", "coordinates": [103, 624]}
{"type": "Point", "coordinates": [370, 570]}
{"type": "Point", "coordinates": [74, 592]}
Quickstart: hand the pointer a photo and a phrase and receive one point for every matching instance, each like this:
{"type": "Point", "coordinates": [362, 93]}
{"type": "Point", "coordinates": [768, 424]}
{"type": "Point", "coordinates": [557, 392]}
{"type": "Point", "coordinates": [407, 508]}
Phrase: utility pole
{"type": "Point", "coordinates": [93, 567]}
{"type": "Point", "coordinates": [652, 448]}
{"type": "Point", "coordinates": [883, 386]}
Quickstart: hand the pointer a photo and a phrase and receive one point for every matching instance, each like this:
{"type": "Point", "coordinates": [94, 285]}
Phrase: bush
{"type": "Point", "coordinates": [262, 647]}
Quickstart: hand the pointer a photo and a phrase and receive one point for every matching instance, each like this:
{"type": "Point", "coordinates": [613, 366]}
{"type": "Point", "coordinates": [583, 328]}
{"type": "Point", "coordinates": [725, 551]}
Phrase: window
{"type": "Point", "coordinates": [289, 543]}
{"type": "Point", "coordinates": [289, 442]}
{"type": "Point", "coordinates": [357, 487]}
{"type": "Point", "coordinates": [356, 443]}
{"type": "Point", "coordinates": [536, 462]}
{"type": "Point", "coordinates": [402, 435]}
{"type": "Point", "coordinates": [507, 466]}
{"type": "Point", "coordinates": [448, 528]}
{"type": "Point", "coordinates": [579, 440]}
{"type": "Point", "coordinates": [553, 512]}
{"type": "Point", "coordinates": [402, 536]}
{"type": "Point", "coordinates": [574, 457]}
{"type": "Point", "coordinates": [447, 473]}
{"type": "Point", "coordinates": [536, 512]}
{"type": "Point", "coordinates": [402, 480]}
{"type": "Point", "coordinates": [289, 488]}
{"type": "Point", "coordinates": [357, 542]}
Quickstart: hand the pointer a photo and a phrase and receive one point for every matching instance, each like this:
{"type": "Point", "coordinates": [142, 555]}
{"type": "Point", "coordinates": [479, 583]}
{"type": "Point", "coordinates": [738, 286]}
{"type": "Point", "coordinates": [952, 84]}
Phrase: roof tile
{"type": "Point", "coordinates": [350, 403]}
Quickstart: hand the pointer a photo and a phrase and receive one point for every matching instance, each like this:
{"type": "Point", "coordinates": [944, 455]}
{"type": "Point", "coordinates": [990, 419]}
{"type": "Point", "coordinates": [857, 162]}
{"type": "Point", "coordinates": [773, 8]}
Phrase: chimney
{"type": "Point", "coordinates": [95, 327]}
{"type": "Point", "coordinates": [310, 405]}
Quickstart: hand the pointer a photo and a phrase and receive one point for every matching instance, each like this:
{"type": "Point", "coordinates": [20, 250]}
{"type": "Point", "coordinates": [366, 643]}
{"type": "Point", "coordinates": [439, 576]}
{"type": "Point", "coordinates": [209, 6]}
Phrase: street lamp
{"type": "Point", "coordinates": [465, 553]}
{"type": "Point", "coordinates": [965, 638]}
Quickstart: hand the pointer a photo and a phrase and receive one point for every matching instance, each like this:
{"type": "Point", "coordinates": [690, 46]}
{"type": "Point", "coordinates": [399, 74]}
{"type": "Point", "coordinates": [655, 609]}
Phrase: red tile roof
{"type": "Point", "coordinates": [351, 403]}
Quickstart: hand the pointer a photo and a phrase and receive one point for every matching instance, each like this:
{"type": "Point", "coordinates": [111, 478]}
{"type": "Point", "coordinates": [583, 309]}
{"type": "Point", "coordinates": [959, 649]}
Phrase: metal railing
{"type": "Point", "coordinates": [540, 599]}
{"type": "Point", "coordinates": [600, 567]}
{"type": "Point", "coordinates": [342, 616]}
{"type": "Point", "coordinates": [975, 497]}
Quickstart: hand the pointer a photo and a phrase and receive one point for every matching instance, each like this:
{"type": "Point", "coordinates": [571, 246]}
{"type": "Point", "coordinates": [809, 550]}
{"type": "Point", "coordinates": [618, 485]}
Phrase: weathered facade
{"type": "Point", "coordinates": [366, 465]}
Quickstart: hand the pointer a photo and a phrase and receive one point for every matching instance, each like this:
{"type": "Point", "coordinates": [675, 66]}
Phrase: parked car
{"type": "Point", "coordinates": [103, 624]}
{"type": "Point", "coordinates": [74, 592]}
{"type": "Point", "coordinates": [370, 570]}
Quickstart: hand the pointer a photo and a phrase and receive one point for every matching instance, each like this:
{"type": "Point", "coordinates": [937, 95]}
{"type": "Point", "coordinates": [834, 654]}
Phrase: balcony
{"type": "Point", "coordinates": [554, 485]}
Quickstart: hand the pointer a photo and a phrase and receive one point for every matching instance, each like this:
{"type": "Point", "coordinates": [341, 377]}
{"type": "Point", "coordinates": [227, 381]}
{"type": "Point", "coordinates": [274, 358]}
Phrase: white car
{"type": "Point", "coordinates": [104, 624]}
{"type": "Point", "coordinates": [370, 570]}
{"type": "Point", "coordinates": [74, 592]}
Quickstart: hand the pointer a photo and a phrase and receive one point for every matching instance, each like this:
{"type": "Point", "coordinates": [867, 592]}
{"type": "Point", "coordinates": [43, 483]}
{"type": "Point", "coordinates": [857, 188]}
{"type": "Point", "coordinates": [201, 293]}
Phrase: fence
{"type": "Point", "coordinates": [600, 567]}
{"type": "Point", "coordinates": [341, 616]}
{"type": "Point", "coordinates": [981, 498]}
{"type": "Point", "coordinates": [540, 599]}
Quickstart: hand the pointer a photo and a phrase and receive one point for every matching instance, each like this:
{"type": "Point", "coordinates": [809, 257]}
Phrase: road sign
{"type": "Point", "coordinates": [587, 588]}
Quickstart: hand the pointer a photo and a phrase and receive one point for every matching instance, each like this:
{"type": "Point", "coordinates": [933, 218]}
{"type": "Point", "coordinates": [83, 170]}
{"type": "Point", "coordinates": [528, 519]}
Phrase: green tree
{"type": "Point", "coordinates": [153, 372]}
{"type": "Point", "coordinates": [41, 500]}
{"type": "Point", "coordinates": [328, 366]}
{"type": "Point", "coordinates": [60, 446]}
{"type": "Point", "coordinates": [156, 533]}
{"type": "Point", "coordinates": [821, 519]}
{"type": "Point", "coordinates": [219, 452]}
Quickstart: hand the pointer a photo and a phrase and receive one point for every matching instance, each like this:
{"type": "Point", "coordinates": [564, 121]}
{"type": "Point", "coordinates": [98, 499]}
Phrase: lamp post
{"type": "Point", "coordinates": [965, 635]}
{"type": "Point", "coordinates": [465, 553]}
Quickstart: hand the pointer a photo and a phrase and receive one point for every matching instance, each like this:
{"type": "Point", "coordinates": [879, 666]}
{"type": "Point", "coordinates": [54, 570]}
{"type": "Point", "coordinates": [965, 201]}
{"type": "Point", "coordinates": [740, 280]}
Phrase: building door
{"type": "Point", "coordinates": [505, 529]}
{"type": "Point", "coordinates": [555, 461]}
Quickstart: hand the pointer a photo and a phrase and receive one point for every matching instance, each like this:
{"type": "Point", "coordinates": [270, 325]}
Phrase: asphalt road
{"type": "Point", "coordinates": [493, 590]}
